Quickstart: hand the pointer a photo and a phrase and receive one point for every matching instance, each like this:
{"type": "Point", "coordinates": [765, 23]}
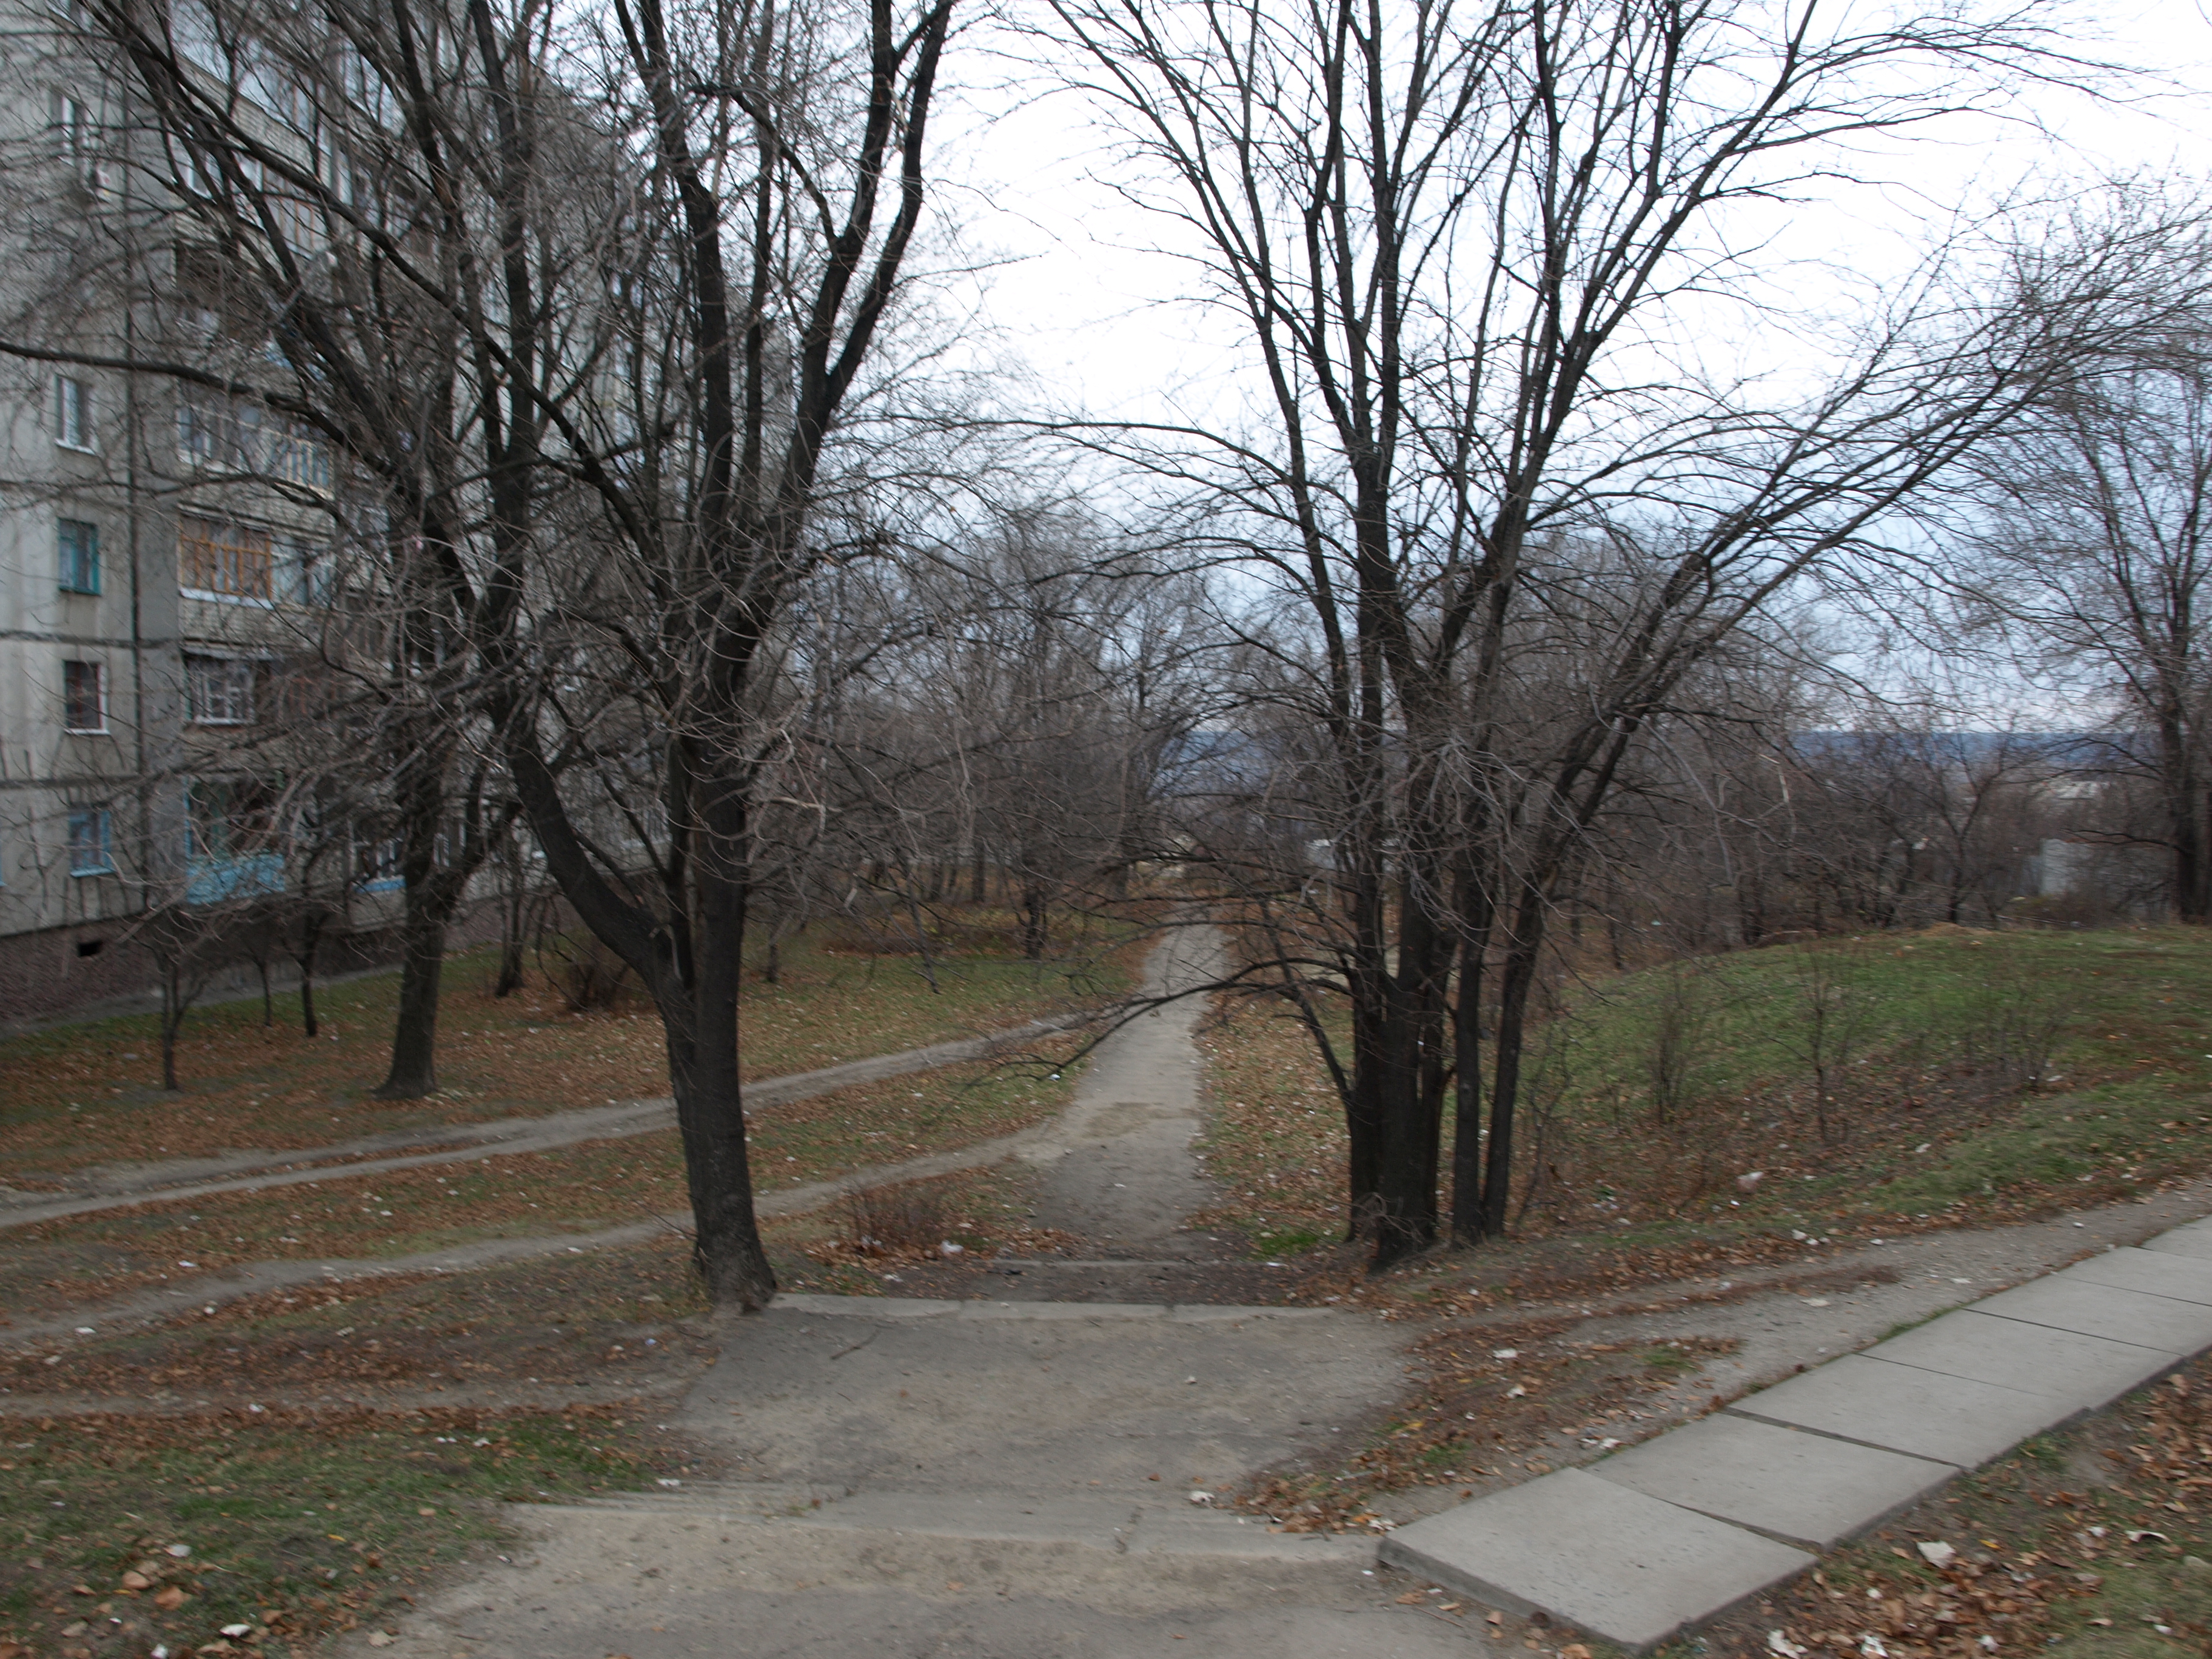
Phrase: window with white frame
{"type": "Point", "coordinates": [89, 853]}
{"type": "Point", "coordinates": [219, 691]}
{"type": "Point", "coordinates": [84, 697]}
{"type": "Point", "coordinates": [75, 129]}
{"type": "Point", "coordinates": [72, 427]}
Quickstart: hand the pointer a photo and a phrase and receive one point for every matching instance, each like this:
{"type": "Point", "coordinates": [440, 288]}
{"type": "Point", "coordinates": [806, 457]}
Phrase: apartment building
{"type": "Point", "coordinates": [164, 562]}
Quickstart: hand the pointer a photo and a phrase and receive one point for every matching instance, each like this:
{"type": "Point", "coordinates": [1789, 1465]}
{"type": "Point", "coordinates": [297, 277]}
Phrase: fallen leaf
{"type": "Point", "coordinates": [137, 1581]}
{"type": "Point", "coordinates": [1778, 1644]}
{"type": "Point", "coordinates": [1936, 1553]}
{"type": "Point", "coordinates": [171, 1598]}
{"type": "Point", "coordinates": [377, 1638]}
{"type": "Point", "coordinates": [1413, 1598]}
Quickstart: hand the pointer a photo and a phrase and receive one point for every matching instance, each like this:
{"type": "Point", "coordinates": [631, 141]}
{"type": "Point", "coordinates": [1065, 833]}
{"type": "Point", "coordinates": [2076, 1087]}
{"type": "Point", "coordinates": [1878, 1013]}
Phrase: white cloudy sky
{"type": "Point", "coordinates": [1074, 291]}
{"type": "Point", "coordinates": [1077, 292]}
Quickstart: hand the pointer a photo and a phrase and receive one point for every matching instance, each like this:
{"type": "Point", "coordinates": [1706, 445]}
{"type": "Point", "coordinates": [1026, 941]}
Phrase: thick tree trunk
{"type": "Point", "coordinates": [2192, 858]}
{"type": "Point", "coordinates": [1410, 1058]}
{"type": "Point", "coordinates": [415, 1036]}
{"type": "Point", "coordinates": [703, 1047]}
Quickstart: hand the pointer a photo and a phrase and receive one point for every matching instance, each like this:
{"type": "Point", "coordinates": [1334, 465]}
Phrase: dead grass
{"type": "Point", "coordinates": [867, 1244]}
{"type": "Point", "coordinates": [82, 1096]}
{"type": "Point", "coordinates": [580, 1189]}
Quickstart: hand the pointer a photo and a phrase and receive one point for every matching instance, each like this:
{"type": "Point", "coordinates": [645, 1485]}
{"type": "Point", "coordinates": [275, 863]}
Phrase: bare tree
{"type": "Point", "coordinates": [1452, 240]}
{"type": "Point", "coordinates": [2088, 545]}
{"type": "Point", "coordinates": [588, 296]}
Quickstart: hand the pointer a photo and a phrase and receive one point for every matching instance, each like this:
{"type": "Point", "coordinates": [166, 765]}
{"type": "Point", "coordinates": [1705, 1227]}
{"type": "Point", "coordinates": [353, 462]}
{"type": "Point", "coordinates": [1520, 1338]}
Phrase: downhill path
{"type": "Point", "coordinates": [988, 1478]}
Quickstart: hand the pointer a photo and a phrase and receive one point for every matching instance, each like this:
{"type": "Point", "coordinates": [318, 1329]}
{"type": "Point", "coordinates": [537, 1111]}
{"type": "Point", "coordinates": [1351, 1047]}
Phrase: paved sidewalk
{"type": "Point", "coordinates": [1638, 1548]}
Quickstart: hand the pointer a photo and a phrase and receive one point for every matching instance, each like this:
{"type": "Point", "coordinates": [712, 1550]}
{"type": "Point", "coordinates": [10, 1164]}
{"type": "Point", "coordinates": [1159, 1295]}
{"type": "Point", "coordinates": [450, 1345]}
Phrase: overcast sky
{"type": "Point", "coordinates": [1076, 290]}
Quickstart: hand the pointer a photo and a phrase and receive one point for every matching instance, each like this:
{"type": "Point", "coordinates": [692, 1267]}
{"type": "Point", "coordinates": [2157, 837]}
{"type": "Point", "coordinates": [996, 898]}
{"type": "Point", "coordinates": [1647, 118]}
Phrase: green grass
{"type": "Point", "coordinates": [1967, 1076]}
{"type": "Point", "coordinates": [320, 1524]}
{"type": "Point", "coordinates": [332, 1514]}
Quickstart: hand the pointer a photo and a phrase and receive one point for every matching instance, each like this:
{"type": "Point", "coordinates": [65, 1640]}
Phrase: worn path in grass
{"type": "Point", "coordinates": [1118, 1164]}
{"type": "Point", "coordinates": [120, 1186]}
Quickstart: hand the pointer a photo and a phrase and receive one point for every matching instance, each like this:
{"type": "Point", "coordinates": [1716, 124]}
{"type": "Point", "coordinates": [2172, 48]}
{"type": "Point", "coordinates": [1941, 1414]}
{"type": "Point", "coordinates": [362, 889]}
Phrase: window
{"type": "Point", "coordinates": [213, 432]}
{"type": "Point", "coordinates": [84, 702]}
{"type": "Point", "coordinates": [303, 573]}
{"type": "Point", "coordinates": [230, 840]}
{"type": "Point", "coordinates": [80, 556]}
{"type": "Point", "coordinates": [296, 455]}
{"type": "Point", "coordinates": [72, 413]}
{"type": "Point", "coordinates": [76, 136]}
{"type": "Point", "coordinates": [219, 691]}
{"type": "Point", "coordinates": [87, 842]}
{"type": "Point", "coordinates": [228, 818]}
{"type": "Point", "coordinates": [224, 560]}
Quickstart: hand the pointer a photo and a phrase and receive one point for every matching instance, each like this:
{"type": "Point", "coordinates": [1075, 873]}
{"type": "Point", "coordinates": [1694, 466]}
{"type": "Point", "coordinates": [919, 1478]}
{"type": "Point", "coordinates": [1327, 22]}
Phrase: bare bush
{"type": "Point", "coordinates": [897, 1221]}
{"type": "Point", "coordinates": [587, 974]}
{"type": "Point", "coordinates": [2009, 1029]}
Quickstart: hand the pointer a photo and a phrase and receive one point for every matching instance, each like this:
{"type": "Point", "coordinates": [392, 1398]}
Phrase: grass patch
{"type": "Point", "coordinates": [77, 1095]}
{"type": "Point", "coordinates": [869, 1246]}
{"type": "Point", "coordinates": [1844, 1088]}
{"type": "Point", "coordinates": [580, 1189]}
{"type": "Point", "coordinates": [296, 1527]}
{"type": "Point", "coordinates": [311, 1516]}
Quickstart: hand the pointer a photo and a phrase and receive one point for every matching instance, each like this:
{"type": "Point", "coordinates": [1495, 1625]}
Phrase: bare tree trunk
{"type": "Point", "coordinates": [1467, 1061]}
{"type": "Point", "coordinates": [173, 1008]}
{"type": "Point", "coordinates": [421, 789]}
{"type": "Point", "coordinates": [414, 1070]}
{"type": "Point", "coordinates": [311, 939]}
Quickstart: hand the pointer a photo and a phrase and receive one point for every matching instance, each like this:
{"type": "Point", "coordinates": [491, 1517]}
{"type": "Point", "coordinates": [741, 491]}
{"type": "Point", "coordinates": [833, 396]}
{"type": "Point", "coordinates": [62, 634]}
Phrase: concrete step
{"type": "Point", "coordinates": [1113, 1523]}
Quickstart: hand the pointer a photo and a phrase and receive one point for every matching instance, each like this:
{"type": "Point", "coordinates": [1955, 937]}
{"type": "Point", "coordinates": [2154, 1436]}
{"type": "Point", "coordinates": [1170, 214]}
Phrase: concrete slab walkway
{"type": "Point", "coordinates": [1640, 1547]}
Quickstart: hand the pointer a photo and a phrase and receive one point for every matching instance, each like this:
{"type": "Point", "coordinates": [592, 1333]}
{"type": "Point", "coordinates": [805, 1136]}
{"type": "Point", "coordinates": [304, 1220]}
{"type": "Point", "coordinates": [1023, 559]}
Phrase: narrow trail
{"type": "Point", "coordinates": [115, 1186]}
{"type": "Point", "coordinates": [1120, 1167]}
